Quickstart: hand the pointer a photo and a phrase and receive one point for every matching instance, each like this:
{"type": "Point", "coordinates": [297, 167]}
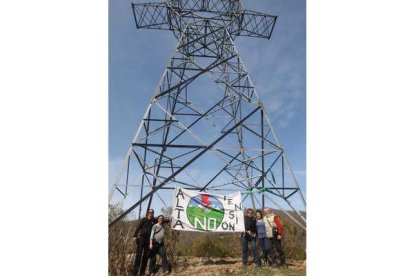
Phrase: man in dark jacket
{"type": "Point", "coordinates": [249, 237]}
{"type": "Point", "coordinates": [142, 238]}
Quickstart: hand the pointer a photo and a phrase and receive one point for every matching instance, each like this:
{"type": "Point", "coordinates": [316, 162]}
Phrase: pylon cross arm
{"type": "Point", "coordinates": [176, 15]}
{"type": "Point", "coordinates": [152, 16]}
{"type": "Point", "coordinates": [221, 7]}
{"type": "Point", "coordinates": [253, 24]}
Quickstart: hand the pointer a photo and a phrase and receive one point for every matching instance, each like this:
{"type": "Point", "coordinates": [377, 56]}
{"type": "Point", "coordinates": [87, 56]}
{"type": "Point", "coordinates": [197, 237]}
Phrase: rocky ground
{"type": "Point", "coordinates": [231, 266]}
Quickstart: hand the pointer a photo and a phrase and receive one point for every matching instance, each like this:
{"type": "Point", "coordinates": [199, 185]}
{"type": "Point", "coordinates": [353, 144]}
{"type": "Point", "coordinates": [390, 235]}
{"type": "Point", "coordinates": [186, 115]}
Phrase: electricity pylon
{"type": "Point", "coordinates": [198, 138]}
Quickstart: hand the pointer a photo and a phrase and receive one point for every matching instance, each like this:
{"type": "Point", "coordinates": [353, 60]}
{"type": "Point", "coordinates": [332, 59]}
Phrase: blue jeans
{"type": "Point", "coordinates": [264, 244]}
{"type": "Point", "coordinates": [245, 240]}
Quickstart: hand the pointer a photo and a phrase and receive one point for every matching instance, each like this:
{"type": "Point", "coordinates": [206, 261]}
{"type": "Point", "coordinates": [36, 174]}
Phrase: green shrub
{"type": "Point", "coordinates": [208, 246]}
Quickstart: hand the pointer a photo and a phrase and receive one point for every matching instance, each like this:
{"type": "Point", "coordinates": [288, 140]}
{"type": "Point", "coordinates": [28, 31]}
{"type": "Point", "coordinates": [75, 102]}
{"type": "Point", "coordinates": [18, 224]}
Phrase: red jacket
{"type": "Point", "coordinates": [279, 225]}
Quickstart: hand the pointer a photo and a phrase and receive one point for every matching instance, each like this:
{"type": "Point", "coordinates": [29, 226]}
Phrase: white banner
{"type": "Point", "coordinates": [194, 211]}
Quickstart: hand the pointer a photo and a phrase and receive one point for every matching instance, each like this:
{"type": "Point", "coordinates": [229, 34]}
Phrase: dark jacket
{"type": "Point", "coordinates": [144, 227]}
{"type": "Point", "coordinates": [250, 224]}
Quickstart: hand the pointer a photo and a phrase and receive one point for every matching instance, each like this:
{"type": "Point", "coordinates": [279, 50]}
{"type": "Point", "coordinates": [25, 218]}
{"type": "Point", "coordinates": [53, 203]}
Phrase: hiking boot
{"type": "Point", "coordinates": [269, 263]}
{"type": "Point", "coordinates": [132, 272]}
{"type": "Point", "coordinates": [275, 265]}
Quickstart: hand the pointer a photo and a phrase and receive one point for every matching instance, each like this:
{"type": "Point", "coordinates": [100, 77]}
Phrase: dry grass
{"type": "Point", "coordinates": [232, 266]}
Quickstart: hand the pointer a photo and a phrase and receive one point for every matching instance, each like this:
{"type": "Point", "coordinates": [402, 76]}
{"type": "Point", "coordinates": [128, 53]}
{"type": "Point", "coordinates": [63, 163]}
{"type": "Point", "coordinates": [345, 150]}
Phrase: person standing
{"type": "Point", "coordinates": [261, 236]}
{"type": "Point", "coordinates": [249, 238]}
{"type": "Point", "coordinates": [157, 245]}
{"type": "Point", "coordinates": [142, 238]}
{"type": "Point", "coordinates": [274, 233]}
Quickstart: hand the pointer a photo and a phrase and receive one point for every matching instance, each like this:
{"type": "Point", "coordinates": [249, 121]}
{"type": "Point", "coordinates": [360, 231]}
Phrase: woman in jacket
{"type": "Point", "coordinates": [274, 233]}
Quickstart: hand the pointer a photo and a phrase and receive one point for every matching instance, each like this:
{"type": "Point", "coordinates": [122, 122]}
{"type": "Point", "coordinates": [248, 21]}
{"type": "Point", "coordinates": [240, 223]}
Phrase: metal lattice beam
{"type": "Point", "coordinates": [175, 15]}
{"type": "Point", "coordinates": [230, 131]}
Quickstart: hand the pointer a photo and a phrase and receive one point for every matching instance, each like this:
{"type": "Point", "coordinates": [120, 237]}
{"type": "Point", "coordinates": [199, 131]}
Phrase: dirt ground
{"type": "Point", "coordinates": [231, 266]}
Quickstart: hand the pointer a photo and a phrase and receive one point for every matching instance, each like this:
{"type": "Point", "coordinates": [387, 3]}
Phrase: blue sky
{"type": "Point", "coordinates": [359, 94]}
{"type": "Point", "coordinates": [276, 66]}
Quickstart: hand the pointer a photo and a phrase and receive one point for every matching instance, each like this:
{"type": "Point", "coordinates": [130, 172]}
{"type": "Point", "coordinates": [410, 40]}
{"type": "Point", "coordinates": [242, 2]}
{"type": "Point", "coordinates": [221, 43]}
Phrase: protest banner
{"type": "Point", "coordinates": [195, 211]}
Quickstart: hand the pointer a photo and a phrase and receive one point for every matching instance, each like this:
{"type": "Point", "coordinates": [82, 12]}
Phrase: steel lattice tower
{"type": "Point", "coordinates": [227, 138]}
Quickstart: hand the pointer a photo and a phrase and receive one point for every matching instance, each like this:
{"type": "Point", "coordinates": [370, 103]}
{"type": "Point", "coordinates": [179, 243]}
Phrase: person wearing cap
{"type": "Point", "coordinates": [142, 238]}
{"type": "Point", "coordinates": [274, 233]}
{"type": "Point", "coordinates": [249, 238]}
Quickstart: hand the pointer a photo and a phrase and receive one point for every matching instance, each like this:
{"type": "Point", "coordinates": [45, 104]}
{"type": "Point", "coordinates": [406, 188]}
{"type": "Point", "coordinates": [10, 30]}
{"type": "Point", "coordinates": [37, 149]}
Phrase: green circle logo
{"type": "Point", "coordinates": [205, 212]}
